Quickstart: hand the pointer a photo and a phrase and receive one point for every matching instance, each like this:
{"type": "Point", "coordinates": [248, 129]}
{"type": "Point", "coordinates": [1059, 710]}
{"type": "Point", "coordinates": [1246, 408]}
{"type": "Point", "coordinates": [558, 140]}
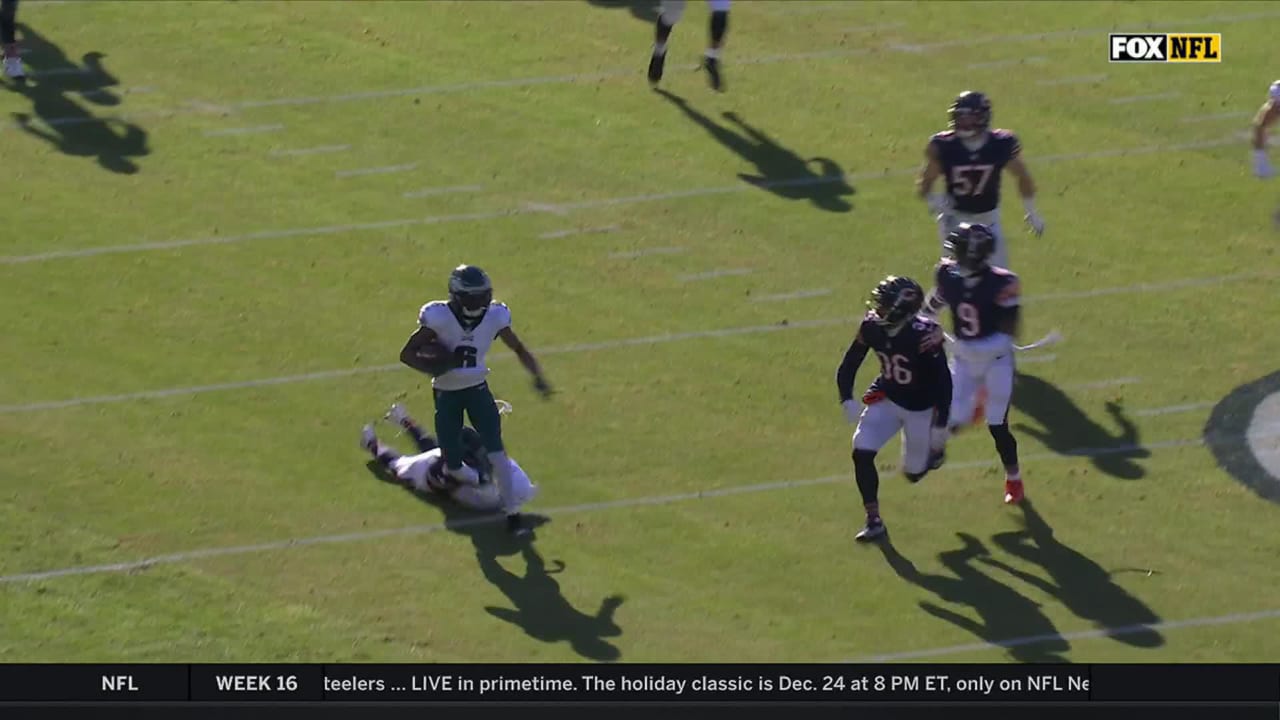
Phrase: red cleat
{"type": "Point", "coordinates": [1012, 492]}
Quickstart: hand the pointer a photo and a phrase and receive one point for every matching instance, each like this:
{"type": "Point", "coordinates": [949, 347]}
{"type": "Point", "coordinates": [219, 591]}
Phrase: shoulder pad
{"type": "Point", "coordinates": [944, 136]}
{"type": "Point", "coordinates": [430, 313]}
{"type": "Point", "coordinates": [501, 312]}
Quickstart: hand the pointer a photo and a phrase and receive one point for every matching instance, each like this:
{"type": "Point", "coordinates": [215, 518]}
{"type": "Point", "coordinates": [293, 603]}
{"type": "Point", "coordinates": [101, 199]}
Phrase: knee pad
{"type": "Point", "coordinates": [671, 12]}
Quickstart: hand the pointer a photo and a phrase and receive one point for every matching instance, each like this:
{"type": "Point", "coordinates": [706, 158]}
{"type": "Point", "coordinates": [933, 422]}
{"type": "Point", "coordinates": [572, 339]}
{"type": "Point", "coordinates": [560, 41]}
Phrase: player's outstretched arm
{"type": "Point", "coordinates": [938, 203]}
{"type": "Point", "coordinates": [847, 373]}
{"type": "Point", "coordinates": [1266, 117]}
{"type": "Point", "coordinates": [527, 359]}
{"type": "Point", "coordinates": [1027, 189]}
{"type": "Point", "coordinates": [421, 337]}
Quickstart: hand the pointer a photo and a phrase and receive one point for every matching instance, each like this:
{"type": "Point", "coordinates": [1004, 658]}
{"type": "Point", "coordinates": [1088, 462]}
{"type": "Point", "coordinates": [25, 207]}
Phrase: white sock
{"type": "Point", "coordinates": [464, 474]}
{"type": "Point", "coordinates": [502, 476]}
{"type": "Point", "coordinates": [660, 48]}
{"type": "Point", "coordinates": [713, 53]}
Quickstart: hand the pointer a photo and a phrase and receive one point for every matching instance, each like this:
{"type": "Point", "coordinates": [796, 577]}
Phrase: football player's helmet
{"type": "Point", "coordinates": [970, 114]}
{"type": "Point", "coordinates": [470, 290]}
{"type": "Point", "coordinates": [971, 245]}
{"type": "Point", "coordinates": [895, 301]}
{"type": "Point", "coordinates": [1273, 93]}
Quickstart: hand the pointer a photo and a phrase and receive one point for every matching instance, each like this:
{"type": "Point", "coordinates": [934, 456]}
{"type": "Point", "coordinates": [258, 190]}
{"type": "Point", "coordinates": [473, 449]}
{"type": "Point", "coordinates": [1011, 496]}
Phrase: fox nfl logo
{"type": "Point", "coordinates": [1166, 47]}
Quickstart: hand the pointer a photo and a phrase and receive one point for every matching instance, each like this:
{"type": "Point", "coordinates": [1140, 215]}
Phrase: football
{"type": "Point", "coordinates": [437, 357]}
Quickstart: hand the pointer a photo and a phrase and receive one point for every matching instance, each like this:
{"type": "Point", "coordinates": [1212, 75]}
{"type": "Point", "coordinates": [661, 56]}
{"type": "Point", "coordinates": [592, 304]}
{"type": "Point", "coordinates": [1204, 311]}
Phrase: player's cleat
{"type": "Point", "coordinates": [937, 459]}
{"type": "Point", "coordinates": [1012, 492]}
{"type": "Point", "coordinates": [872, 530]}
{"type": "Point", "coordinates": [656, 65]}
{"type": "Point", "coordinates": [368, 440]}
{"type": "Point", "coordinates": [712, 66]}
{"type": "Point", "coordinates": [398, 415]}
{"type": "Point", "coordinates": [515, 526]}
{"type": "Point", "coordinates": [13, 69]}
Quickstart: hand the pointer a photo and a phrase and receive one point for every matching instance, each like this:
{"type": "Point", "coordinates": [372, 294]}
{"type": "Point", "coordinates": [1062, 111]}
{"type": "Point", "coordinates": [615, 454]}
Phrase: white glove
{"type": "Point", "coordinates": [1032, 217]}
{"type": "Point", "coordinates": [852, 410]}
{"type": "Point", "coordinates": [1262, 165]}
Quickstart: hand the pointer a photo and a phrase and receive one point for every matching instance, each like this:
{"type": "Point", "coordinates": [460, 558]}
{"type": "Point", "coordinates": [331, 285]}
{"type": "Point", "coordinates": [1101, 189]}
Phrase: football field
{"type": "Point", "coordinates": [221, 219]}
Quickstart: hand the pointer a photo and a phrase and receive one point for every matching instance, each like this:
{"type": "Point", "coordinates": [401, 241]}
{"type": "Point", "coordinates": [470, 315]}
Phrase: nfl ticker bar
{"type": "Point", "coordinates": [640, 684]}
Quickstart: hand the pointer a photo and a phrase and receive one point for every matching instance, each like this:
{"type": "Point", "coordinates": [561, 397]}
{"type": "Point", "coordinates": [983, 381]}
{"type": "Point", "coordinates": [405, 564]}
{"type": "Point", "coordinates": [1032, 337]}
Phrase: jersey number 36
{"type": "Point", "coordinates": [894, 368]}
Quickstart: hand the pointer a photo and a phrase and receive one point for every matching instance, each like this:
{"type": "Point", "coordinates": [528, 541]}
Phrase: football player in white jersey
{"type": "Point", "coordinates": [466, 326]}
{"type": "Point", "coordinates": [1262, 122]}
{"type": "Point", "coordinates": [8, 37]}
{"type": "Point", "coordinates": [424, 472]}
{"type": "Point", "coordinates": [672, 11]}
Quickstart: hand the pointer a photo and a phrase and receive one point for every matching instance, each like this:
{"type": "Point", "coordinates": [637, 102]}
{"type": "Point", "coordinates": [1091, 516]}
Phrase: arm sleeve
{"type": "Point", "coordinates": [942, 407]}
{"type": "Point", "coordinates": [848, 369]}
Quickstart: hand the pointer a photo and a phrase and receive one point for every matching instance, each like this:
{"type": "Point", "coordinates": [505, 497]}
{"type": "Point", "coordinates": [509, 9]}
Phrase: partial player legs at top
{"type": "Point", "coordinates": [9, 39]}
{"type": "Point", "coordinates": [672, 11]}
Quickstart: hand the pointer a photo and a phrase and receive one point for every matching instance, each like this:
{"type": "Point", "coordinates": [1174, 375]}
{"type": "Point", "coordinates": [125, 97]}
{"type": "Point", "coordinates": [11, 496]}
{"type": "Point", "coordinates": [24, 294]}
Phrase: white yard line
{"type": "Point", "coordinates": [579, 231]}
{"type": "Point", "coordinates": [563, 208]}
{"type": "Point", "coordinates": [713, 274]}
{"type": "Point", "coordinates": [318, 150]}
{"type": "Point", "coordinates": [1118, 631]}
{"type": "Point", "coordinates": [365, 535]}
{"type": "Point", "coordinates": [430, 192]}
{"type": "Point", "coordinates": [1098, 384]}
{"type": "Point", "coordinates": [1216, 116]}
{"type": "Point", "coordinates": [631, 254]}
{"type": "Point", "coordinates": [383, 170]}
{"type": "Point", "coordinates": [1144, 98]}
{"type": "Point", "coordinates": [1174, 409]}
{"type": "Point", "coordinates": [1072, 80]}
{"type": "Point", "coordinates": [580, 347]}
{"type": "Point", "coordinates": [799, 294]}
{"type": "Point", "coordinates": [255, 129]}
{"type": "Point", "coordinates": [1033, 60]}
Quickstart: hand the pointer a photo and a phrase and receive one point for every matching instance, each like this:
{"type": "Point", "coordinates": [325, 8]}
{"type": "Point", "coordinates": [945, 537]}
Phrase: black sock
{"type": "Point", "coordinates": [8, 24]}
{"type": "Point", "coordinates": [719, 26]}
{"type": "Point", "coordinates": [868, 479]}
{"type": "Point", "coordinates": [1007, 446]}
{"type": "Point", "coordinates": [425, 442]}
{"type": "Point", "coordinates": [385, 456]}
{"type": "Point", "coordinates": [661, 32]}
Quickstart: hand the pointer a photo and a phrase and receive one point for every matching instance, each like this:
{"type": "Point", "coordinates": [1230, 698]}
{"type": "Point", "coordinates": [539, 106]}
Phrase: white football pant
{"type": "Point", "coordinates": [982, 363]}
{"type": "Point", "coordinates": [673, 10]}
{"type": "Point", "coordinates": [882, 420]}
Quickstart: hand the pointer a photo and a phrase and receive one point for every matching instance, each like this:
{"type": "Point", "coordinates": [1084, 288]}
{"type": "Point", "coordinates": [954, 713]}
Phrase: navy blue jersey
{"type": "Point", "coordinates": [973, 176]}
{"type": "Point", "coordinates": [913, 364]}
{"type": "Point", "coordinates": [979, 303]}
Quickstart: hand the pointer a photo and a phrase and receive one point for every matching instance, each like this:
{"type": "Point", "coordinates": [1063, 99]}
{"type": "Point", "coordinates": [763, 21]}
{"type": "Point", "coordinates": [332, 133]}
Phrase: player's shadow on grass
{"type": "Point", "coordinates": [540, 608]}
{"type": "Point", "coordinates": [1066, 429]}
{"type": "Point", "coordinates": [56, 88]}
{"type": "Point", "coordinates": [782, 171]}
{"type": "Point", "coordinates": [1007, 618]}
{"type": "Point", "coordinates": [1075, 580]}
{"type": "Point", "coordinates": [643, 10]}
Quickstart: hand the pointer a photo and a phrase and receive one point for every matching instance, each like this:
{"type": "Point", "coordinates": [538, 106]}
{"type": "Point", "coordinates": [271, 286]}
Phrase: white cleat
{"type": "Point", "coordinates": [368, 440]}
{"type": "Point", "coordinates": [398, 414]}
{"type": "Point", "coordinates": [13, 68]}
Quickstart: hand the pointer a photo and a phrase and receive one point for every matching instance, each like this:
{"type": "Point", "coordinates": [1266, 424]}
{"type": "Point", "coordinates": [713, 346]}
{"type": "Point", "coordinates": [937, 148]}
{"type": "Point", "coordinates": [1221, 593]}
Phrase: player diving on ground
{"type": "Point", "coordinates": [425, 470]}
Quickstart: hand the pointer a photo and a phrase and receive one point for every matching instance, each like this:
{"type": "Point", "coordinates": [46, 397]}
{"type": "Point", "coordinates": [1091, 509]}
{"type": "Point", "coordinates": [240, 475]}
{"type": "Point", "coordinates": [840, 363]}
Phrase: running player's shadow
{"type": "Point", "coordinates": [70, 126]}
{"type": "Point", "coordinates": [1075, 580]}
{"type": "Point", "coordinates": [540, 608]}
{"type": "Point", "coordinates": [1066, 429]}
{"type": "Point", "coordinates": [643, 10]}
{"type": "Point", "coordinates": [1005, 614]}
{"type": "Point", "coordinates": [782, 172]}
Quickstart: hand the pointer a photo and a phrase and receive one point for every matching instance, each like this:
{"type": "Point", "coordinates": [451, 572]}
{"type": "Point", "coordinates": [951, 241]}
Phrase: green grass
{"type": "Point", "coordinates": [769, 573]}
